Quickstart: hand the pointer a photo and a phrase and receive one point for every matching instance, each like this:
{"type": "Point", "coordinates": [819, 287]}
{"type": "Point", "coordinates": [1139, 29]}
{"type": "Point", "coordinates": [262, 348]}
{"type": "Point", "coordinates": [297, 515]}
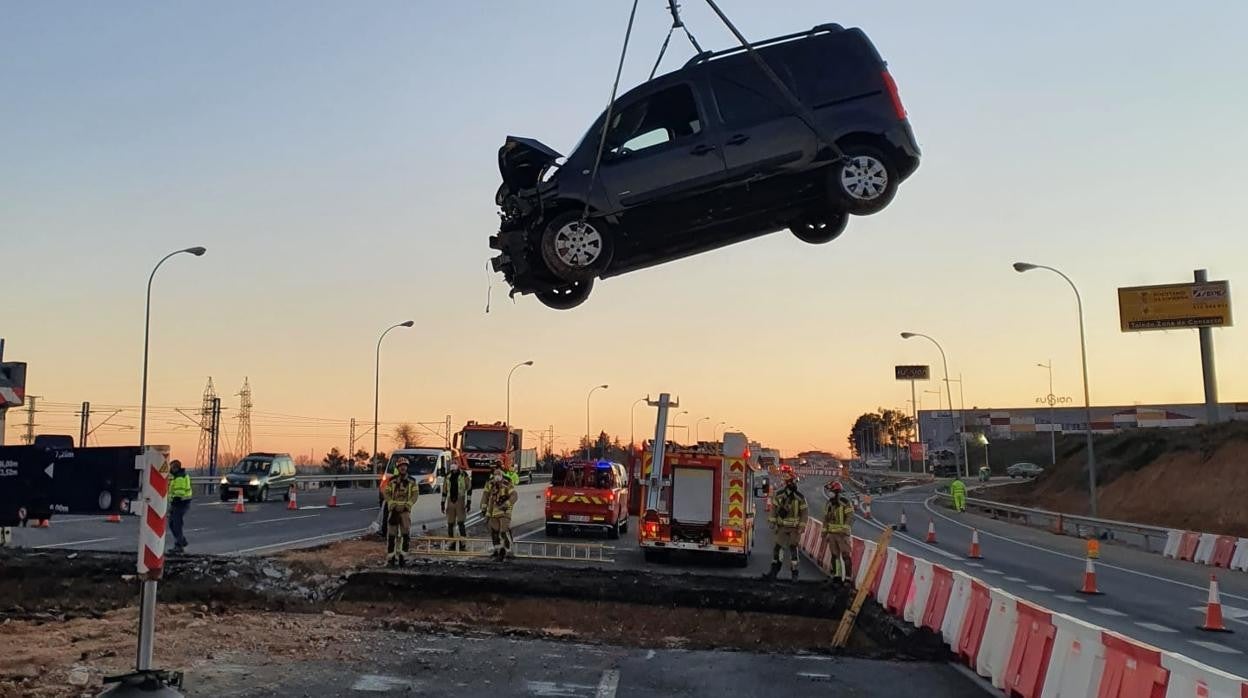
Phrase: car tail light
{"type": "Point", "coordinates": [548, 491]}
{"type": "Point", "coordinates": [650, 529]}
{"type": "Point", "coordinates": [894, 95]}
{"type": "Point", "coordinates": [610, 496]}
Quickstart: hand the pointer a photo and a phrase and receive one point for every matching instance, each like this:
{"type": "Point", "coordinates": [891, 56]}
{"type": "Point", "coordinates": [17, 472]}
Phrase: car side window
{"type": "Point", "coordinates": [663, 117]}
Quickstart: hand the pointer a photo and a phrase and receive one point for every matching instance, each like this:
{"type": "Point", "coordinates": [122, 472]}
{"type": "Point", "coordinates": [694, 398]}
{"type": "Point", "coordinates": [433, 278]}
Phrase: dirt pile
{"type": "Point", "coordinates": [1180, 478]}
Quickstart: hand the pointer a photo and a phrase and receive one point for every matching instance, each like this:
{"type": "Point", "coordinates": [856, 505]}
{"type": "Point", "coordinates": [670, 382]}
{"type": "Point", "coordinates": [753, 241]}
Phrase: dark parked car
{"type": "Point", "coordinates": [706, 156]}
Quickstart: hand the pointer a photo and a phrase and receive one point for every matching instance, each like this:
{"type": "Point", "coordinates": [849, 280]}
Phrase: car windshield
{"type": "Point", "coordinates": [583, 475]}
{"type": "Point", "coordinates": [482, 441]}
{"type": "Point", "coordinates": [252, 467]}
{"type": "Point", "coordinates": [417, 463]}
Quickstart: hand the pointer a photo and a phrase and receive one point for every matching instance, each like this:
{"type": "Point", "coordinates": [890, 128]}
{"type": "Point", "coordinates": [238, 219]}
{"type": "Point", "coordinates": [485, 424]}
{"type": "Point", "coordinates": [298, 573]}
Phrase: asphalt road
{"type": "Point", "coordinates": [492, 666]}
{"type": "Point", "coordinates": [628, 555]}
{"type": "Point", "coordinates": [213, 529]}
{"type": "Point", "coordinates": [1145, 596]}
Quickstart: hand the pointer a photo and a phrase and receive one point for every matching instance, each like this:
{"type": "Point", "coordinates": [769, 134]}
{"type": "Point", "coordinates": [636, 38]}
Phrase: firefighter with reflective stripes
{"type": "Point", "coordinates": [400, 496]}
{"type": "Point", "coordinates": [788, 513]}
{"type": "Point", "coordinates": [838, 521]}
{"type": "Point", "coordinates": [497, 500]}
{"type": "Point", "coordinates": [456, 501]}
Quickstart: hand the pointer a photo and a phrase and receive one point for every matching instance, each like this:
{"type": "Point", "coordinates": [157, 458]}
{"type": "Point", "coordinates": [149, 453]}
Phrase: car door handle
{"type": "Point", "coordinates": [738, 139]}
{"type": "Point", "coordinates": [702, 149]}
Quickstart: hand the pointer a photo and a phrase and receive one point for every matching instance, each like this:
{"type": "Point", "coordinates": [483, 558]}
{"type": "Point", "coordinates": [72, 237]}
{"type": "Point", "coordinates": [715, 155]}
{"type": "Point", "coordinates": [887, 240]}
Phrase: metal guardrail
{"type": "Point", "coordinates": [1150, 538]}
{"type": "Point", "coordinates": [327, 477]}
{"type": "Point", "coordinates": [893, 474]}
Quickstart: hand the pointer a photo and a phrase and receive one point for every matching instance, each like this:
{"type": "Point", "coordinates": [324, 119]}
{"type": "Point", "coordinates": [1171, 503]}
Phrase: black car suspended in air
{"type": "Point", "coordinates": [708, 155]}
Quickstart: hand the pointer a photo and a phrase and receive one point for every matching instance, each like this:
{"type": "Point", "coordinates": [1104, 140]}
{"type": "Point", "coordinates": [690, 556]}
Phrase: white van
{"type": "Point", "coordinates": [427, 466]}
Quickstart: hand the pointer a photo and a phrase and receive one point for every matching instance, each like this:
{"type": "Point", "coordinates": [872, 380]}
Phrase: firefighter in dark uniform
{"type": "Point", "coordinates": [400, 495]}
{"type": "Point", "coordinates": [456, 501]}
{"type": "Point", "coordinates": [788, 514]}
{"type": "Point", "coordinates": [497, 500]}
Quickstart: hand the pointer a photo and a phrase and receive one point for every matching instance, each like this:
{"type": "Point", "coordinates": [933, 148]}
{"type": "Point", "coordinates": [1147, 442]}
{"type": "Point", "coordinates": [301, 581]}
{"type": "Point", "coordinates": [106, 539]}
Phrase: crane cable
{"type": "Point", "coordinates": [801, 112]}
{"type": "Point", "coordinates": [674, 8]}
{"type": "Point", "coordinates": [606, 122]}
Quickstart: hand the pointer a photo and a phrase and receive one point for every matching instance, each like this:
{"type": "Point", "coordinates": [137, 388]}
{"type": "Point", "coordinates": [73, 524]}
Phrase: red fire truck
{"type": "Point", "coordinates": [480, 447]}
{"type": "Point", "coordinates": [703, 503]}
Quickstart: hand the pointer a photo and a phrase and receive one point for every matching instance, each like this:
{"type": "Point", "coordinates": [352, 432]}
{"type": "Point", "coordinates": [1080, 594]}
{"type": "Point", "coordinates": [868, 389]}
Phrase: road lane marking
{"type": "Point", "coordinates": [1040, 588]}
{"type": "Point", "coordinates": [1228, 612]}
{"type": "Point", "coordinates": [974, 564]}
{"type": "Point", "coordinates": [816, 677]}
{"type": "Point", "coordinates": [352, 532]}
{"type": "Point", "coordinates": [1108, 611]}
{"type": "Point", "coordinates": [284, 518]}
{"type": "Point", "coordinates": [558, 690]}
{"type": "Point", "coordinates": [991, 571]}
{"type": "Point", "coordinates": [609, 684]}
{"type": "Point", "coordinates": [1070, 599]}
{"type": "Point", "coordinates": [1100, 563]}
{"type": "Point", "coordinates": [379, 683]}
{"type": "Point", "coordinates": [1215, 647]}
{"type": "Point", "coordinates": [73, 542]}
{"type": "Point", "coordinates": [1155, 627]}
{"type": "Point", "coordinates": [370, 509]}
{"type": "Point", "coordinates": [1015, 579]}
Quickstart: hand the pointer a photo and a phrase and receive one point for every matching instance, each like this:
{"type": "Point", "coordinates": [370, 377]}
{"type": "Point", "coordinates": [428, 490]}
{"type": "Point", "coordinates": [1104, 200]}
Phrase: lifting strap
{"type": "Point", "coordinates": [606, 121]}
{"type": "Point", "coordinates": [674, 8]}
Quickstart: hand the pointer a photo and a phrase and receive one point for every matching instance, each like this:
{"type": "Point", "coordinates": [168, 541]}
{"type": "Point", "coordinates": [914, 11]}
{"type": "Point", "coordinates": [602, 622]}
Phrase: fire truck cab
{"type": "Point", "coordinates": [704, 504]}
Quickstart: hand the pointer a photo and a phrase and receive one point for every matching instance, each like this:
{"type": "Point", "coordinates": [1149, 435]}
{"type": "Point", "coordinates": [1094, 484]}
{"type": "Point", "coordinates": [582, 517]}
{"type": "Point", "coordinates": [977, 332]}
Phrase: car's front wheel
{"type": "Point", "coordinates": [575, 249]}
{"type": "Point", "coordinates": [818, 228]}
{"type": "Point", "coordinates": [865, 181]}
{"type": "Point", "coordinates": [566, 297]}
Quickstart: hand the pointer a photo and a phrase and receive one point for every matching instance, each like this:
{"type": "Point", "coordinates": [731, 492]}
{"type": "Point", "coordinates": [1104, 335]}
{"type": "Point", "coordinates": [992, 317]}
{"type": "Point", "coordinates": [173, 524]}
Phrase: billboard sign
{"type": "Point", "coordinates": [912, 373]}
{"type": "Point", "coordinates": [1175, 306]}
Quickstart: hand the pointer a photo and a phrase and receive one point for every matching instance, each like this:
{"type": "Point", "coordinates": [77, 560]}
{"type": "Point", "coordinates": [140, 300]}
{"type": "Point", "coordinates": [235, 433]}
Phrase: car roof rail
{"type": "Point", "coordinates": [817, 29]}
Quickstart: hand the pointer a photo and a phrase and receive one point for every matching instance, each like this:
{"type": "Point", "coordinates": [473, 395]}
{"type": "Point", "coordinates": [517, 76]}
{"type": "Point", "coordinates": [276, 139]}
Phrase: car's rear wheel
{"type": "Point", "coordinates": [566, 297]}
{"type": "Point", "coordinates": [551, 530]}
{"type": "Point", "coordinates": [614, 532]}
{"type": "Point", "coordinates": [818, 228]}
{"type": "Point", "coordinates": [865, 181]}
{"type": "Point", "coordinates": [575, 249]}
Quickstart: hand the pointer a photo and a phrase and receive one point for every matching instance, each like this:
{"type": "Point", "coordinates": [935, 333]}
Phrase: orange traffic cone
{"type": "Point", "coordinates": [1089, 579]}
{"type": "Point", "coordinates": [44, 523]}
{"type": "Point", "coordinates": [901, 525]}
{"type": "Point", "coordinates": [333, 496]}
{"type": "Point", "coordinates": [291, 500]}
{"type": "Point", "coordinates": [1213, 610]}
{"type": "Point", "coordinates": [931, 532]}
{"type": "Point", "coordinates": [975, 554]}
{"type": "Point", "coordinates": [238, 504]}
{"type": "Point", "coordinates": [113, 518]}
{"type": "Point", "coordinates": [1094, 549]}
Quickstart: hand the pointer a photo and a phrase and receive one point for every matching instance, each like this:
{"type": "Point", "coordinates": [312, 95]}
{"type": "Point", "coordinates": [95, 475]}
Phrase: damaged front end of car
{"type": "Point", "coordinates": [525, 199]}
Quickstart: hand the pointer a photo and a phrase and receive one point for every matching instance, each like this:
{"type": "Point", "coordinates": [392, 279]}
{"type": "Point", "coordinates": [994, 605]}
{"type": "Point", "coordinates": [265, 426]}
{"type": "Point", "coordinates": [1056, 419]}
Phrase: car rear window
{"type": "Point", "coordinates": [584, 475]}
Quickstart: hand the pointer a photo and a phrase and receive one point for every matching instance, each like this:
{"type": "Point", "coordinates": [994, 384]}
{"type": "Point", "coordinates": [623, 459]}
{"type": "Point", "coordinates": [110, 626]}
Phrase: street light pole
{"type": "Point", "coordinates": [949, 396]}
{"type": "Point", "coordinates": [1021, 267]}
{"type": "Point", "coordinates": [588, 438]}
{"type": "Point", "coordinates": [377, 387]}
{"type": "Point", "coordinates": [147, 600]}
{"type": "Point", "coordinates": [632, 433]}
{"type": "Point", "coordinates": [715, 430]}
{"type": "Point", "coordinates": [697, 433]}
{"type": "Point", "coordinates": [513, 370]}
{"type": "Point", "coordinates": [1052, 400]}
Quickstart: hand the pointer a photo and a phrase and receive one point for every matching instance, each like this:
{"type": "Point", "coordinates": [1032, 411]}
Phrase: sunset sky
{"type": "Point", "coordinates": [338, 160]}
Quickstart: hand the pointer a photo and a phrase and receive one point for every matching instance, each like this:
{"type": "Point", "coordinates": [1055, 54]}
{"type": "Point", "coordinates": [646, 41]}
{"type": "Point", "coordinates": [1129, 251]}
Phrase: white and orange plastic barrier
{"type": "Point", "coordinates": [1027, 650]}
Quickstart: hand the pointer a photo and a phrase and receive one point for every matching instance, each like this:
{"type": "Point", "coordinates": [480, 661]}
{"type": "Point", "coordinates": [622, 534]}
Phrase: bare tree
{"type": "Point", "coordinates": [406, 436]}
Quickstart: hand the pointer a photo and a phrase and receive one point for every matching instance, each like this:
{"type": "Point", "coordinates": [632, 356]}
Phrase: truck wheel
{"type": "Point", "coordinates": [818, 228]}
{"type": "Point", "coordinates": [614, 533]}
{"type": "Point", "coordinates": [550, 530]}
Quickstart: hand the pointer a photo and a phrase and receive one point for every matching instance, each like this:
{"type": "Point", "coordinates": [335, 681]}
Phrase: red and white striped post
{"type": "Point", "coordinates": [151, 563]}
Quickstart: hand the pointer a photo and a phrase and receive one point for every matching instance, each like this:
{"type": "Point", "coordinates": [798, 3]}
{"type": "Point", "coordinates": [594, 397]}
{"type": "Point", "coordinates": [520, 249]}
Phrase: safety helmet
{"type": "Point", "coordinates": [789, 475]}
{"type": "Point", "coordinates": [835, 486]}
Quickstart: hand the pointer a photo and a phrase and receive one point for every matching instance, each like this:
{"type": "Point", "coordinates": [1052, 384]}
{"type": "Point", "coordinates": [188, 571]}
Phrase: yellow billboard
{"type": "Point", "coordinates": [1175, 306]}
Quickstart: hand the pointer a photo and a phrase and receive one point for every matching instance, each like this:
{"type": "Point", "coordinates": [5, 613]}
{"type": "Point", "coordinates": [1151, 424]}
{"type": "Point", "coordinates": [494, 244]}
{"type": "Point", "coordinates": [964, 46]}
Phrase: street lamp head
{"type": "Point", "coordinates": [409, 323]}
{"type": "Point", "coordinates": [1021, 267]}
{"type": "Point", "coordinates": [197, 251]}
{"type": "Point", "coordinates": [907, 335]}
{"type": "Point", "coordinates": [527, 363]}
{"type": "Point", "coordinates": [603, 386]}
